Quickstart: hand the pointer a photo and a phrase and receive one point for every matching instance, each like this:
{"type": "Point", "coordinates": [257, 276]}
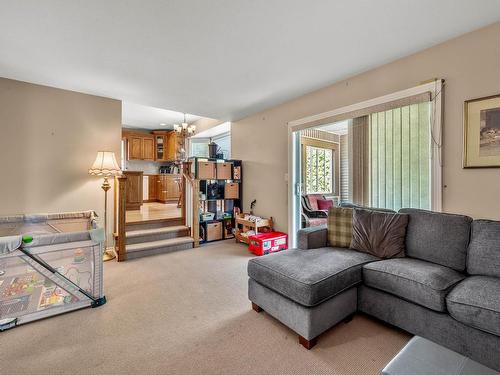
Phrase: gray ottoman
{"type": "Point", "coordinates": [307, 290]}
{"type": "Point", "coordinates": [423, 357]}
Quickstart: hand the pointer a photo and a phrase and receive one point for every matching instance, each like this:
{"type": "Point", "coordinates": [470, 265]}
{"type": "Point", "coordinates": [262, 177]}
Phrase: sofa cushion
{"type": "Point", "coordinates": [309, 277]}
{"type": "Point", "coordinates": [437, 237]}
{"type": "Point", "coordinates": [339, 227]}
{"type": "Point", "coordinates": [414, 280]}
{"type": "Point", "coordinates": [325, 204]}
{"type": "Point", "coordinates": [379, 233]}
{"type": "Point", "coordinates": [483, 256]}
{"type": "Point", "coordinates": [476, 303]}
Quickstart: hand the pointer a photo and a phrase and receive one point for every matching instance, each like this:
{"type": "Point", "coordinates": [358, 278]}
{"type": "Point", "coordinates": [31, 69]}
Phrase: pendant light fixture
{"type": "Point", "coordinates": [185, 129]}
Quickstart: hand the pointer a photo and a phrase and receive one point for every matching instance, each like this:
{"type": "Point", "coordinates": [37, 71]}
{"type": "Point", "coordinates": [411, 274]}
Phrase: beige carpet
{"type": "Point", "coordinates": [188, 313]}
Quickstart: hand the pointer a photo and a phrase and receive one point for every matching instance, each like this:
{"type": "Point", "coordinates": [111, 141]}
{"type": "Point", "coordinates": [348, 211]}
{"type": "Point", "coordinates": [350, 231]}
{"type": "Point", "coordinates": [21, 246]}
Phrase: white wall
{"type": "Point", "coordinates": [470, 66]}
{"type": "Point", "coordinates": [48, 140]}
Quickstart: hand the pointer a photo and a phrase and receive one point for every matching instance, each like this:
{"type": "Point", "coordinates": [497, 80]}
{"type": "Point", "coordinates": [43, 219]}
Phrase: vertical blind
{"type": "Point", "coordinates": [400, 157]}
{"type": "Point", "coordinates": [344, 168]}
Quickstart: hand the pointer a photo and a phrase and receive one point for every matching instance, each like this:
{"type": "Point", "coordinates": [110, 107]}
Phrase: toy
{"type": "Point", "coordinates": [79, 256]}
{"type": "Point", "coordinates": [265, 243]}
{"type": "Point", "coordinates": [248, 224]}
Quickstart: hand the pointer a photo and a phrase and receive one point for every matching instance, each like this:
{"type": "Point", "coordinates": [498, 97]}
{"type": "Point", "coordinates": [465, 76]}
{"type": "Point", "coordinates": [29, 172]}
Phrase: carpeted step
{"type": "Point", "coordinates": [155, 234]}
{"type": "Point", "coordinates": [158, 247]}
{"type": "Point", "coordinates": [154, 224]}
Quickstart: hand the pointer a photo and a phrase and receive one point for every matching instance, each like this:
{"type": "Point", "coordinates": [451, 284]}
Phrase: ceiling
{"type": "Point", "coordinates": [141, 116]}
{"type": "Point", "coordinates": [223, 59]}
{"type": "Point", "coordinates": [223, 128]}
{"type": "Point", "coordinates": [340, 128]}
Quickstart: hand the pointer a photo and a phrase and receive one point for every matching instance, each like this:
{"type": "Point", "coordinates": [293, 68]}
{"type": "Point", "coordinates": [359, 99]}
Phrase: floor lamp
{"type": "Point", "coordinates": [105, 165]}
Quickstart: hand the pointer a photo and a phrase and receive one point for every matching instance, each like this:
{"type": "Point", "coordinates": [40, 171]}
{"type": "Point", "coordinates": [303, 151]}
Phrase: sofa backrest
{"type": "Point", "coordinates": [354, 205]}
{"type": "Point", "coordinates": [438, 237]}
{"type": "Point", "coordinates": [483, 257]}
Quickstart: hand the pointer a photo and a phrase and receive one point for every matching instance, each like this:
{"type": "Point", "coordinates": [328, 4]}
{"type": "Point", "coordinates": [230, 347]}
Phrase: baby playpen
{"type": "Point", "coordinates": [49, 264]}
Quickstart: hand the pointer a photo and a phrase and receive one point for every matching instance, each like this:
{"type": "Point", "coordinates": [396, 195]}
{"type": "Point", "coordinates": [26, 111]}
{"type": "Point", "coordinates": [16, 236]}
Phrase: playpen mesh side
{"type": "Point", "coordinates": [47, 223]}
{"type": "Point", "coordinates": [28, 291]}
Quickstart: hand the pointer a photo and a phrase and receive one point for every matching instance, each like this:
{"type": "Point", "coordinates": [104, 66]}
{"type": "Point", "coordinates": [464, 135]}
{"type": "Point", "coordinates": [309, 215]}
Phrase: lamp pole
{"type": "Point", "coordinates": [107, 254]}
{"type": "Point", "coordinates": [105, 165]}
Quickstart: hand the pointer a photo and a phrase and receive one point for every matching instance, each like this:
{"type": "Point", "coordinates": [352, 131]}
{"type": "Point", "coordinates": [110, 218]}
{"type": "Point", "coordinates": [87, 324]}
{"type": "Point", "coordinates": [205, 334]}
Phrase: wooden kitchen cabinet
{"type": "Point", "coordinates": [152, 188]}
{"type": "Point", "coordinates": [148, 149]}
{"type": "Point", "coordinates": [168, 145]}
{"type": "Point", "coordinates": [140, 146]}
{"type": "Point", "coordinates": [173, 190]}
{"type": "Point", "coordinates": [162, 188]}
{"type": "Point", "coordinates": [168, 188]}
{"type": "Point", "coordinates": [160, 145]}
{"type": "Point", "coordinates": [174, 146]}
{"type": "Point", "coordinates": [134, 190]}
{"type": "Point", "coordinates": [134, 148]}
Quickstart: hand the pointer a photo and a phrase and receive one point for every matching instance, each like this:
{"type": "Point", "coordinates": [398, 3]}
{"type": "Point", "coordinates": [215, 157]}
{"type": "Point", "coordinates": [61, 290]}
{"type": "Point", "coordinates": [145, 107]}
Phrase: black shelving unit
{"type": "Point", "coordinates": [213, 197]}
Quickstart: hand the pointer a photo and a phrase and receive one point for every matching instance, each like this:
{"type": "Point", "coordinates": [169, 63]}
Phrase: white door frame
{"type": "Point", "coordinates": [435, 88]}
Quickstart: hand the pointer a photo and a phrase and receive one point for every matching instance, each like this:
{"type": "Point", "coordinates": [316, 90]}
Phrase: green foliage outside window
{"type": "Point", "coordinates": [319, 170]}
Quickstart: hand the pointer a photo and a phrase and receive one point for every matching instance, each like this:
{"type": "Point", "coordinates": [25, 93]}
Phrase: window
{"type": "Point", "coordinates": [318, 170]}
{"type": "Point", "coordinates": [224, 143]}
{"type": "Point", "coordinates": [199, 147]}
{"type": "Point", "coordinates": [400, 157]}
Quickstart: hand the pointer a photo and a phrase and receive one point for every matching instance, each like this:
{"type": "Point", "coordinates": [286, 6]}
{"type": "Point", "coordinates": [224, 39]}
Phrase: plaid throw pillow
{"type": "Point", "coordinates": [340, 227]}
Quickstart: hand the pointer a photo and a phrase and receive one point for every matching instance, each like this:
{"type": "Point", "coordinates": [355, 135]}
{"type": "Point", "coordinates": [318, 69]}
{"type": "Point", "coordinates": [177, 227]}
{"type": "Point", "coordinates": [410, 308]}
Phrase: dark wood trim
{"type": "Point", "coordinates": [348, 318]}
{"type": "Point", "coordinates": [122, 209]}
{"type": "Point", "coordinates": [256, 307]}
{"type": "Point", "coordinates": [308, 344]}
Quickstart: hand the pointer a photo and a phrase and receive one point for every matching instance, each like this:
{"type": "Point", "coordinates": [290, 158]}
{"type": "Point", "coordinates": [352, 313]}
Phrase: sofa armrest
{"type": "Point", "coordinates": [316, 213]}
{"type": "Point", "coordinates": [312, 237]}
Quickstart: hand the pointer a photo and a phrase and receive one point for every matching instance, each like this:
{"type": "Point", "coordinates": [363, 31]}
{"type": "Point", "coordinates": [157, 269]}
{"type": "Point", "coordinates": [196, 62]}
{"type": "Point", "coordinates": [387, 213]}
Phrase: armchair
{"type": "Point", "coordinates": [311, 215]}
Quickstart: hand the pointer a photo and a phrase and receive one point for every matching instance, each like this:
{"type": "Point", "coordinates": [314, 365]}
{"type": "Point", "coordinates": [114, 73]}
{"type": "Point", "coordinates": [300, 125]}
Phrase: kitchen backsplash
{"type": "Point", "coordinates": [145, 166]}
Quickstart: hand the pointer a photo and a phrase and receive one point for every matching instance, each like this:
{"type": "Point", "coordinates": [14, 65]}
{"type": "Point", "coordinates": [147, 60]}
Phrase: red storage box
{"type": "Point", "coordinates": [265, 243]}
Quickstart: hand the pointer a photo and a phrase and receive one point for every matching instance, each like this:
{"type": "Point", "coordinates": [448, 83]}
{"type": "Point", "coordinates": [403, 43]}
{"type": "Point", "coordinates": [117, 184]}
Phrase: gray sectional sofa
{"type": "Point", "coordinates": [446, 288]}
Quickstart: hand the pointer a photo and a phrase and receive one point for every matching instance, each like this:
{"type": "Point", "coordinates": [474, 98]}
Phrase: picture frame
{"type": "Point", "coordinates": [482, 132]}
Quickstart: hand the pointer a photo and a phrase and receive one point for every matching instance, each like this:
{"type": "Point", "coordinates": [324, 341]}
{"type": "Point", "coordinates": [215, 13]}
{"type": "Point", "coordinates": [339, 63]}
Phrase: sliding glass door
{"type": "Point", "coordinates": [294, 186]}
{"type": "Point", "coordinates": [388, 155]}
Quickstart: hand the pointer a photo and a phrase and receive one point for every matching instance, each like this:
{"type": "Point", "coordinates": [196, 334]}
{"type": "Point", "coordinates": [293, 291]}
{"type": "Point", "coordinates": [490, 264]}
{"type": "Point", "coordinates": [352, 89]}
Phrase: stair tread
{"type": "Point", "coordinates": [156, 244]}
{"type": "Point", "coordinates": [147, 232]}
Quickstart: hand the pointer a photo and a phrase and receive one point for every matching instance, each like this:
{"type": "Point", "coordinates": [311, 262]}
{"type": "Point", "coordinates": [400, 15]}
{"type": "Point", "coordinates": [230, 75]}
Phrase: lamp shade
{"type": "Point", "coordinates": [105, 164]}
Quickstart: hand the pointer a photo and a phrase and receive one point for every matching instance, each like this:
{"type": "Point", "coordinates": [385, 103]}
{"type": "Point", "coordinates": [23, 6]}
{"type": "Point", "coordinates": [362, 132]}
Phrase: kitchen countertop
{"type": "Point", "coordinates": [162, 174]}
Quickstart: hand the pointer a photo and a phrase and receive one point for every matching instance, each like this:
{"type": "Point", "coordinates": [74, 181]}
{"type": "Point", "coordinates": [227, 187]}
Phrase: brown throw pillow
{"type": "Point", "coordinates": [339, 227]}
{"type": "Point", "coordinates": [379, 233]}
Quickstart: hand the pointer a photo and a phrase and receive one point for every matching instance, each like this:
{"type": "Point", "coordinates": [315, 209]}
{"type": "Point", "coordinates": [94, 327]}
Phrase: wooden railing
{"type": "Point", "coordinates": [191, 202]}
{"type": "Point", "coordinates": [189, 211]}
{"type": "Point", "coordinates": [120, 216]}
